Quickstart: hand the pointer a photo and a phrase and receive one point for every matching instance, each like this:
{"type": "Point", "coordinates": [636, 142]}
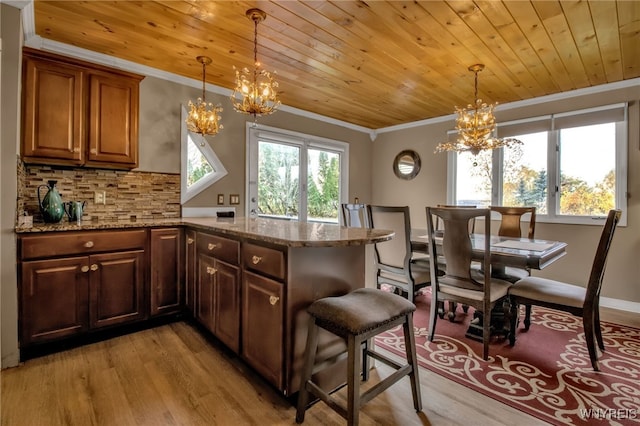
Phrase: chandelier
{"type": "Point", "coordinates": [255, 92]}
{"type": "Point", "coordinates": [203, 117]}
{"type": "Point", "coordinates": [476, 125]}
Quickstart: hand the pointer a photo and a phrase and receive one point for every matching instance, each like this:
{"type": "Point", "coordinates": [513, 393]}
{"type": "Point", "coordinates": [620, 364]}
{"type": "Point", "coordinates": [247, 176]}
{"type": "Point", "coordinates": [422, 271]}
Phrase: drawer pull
{"type": "Point", "coordinates": [273, 300]}
{"type": "Point", "coordinates": [94, 267]}
{"type": "Point", "coordinates": [85, 268]}
{"type": "Point", "coordinates": [189, 240]}
{"type": "Point", "coordinates": [88, 244]}
{"type": "Point", "coordinates": [211, 270]}
{"type": "Point", "coordinates": [211, 246]}
{"type": "Point", "coordinates": [255, 260]}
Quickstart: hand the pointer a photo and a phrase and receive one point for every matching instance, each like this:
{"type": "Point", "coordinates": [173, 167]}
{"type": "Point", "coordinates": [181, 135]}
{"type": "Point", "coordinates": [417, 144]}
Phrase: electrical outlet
{"type": "Point", "coordinates": [99, 197]}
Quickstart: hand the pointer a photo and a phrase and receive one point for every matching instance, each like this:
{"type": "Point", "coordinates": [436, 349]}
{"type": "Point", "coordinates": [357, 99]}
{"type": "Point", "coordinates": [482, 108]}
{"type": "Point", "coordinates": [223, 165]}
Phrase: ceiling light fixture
{"type": "Point", "coordinates": [476, 126]}
{"type": "Point", "coordinates": [255, 92]}
{"type": "Point", "coordinates": [203, 118]}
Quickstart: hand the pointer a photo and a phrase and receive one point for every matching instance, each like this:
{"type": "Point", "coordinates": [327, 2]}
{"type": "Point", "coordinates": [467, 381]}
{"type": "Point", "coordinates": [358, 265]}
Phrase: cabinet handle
{"type": "Point", "coordinates": [255, 260]}
{"type": "Point", "coordinates": [211, 246]}
{"type": "Point", "coordinates": [85, 268]}
{"type": "Point", "coordinates": [273, 300]}
{"type": "Point", "coordinates": [211, 270]}
{"type": "Point", "coordinates": [88, 244]}
{"type": "Point", "coordinates": [189, 240]}
{"type": "Point", "coordinates": [94, 267]}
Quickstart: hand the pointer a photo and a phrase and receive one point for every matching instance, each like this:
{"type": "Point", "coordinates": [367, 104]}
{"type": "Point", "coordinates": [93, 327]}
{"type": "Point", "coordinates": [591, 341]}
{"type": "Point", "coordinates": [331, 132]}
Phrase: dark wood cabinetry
{"type": "Point", "coordinates": [76, 113]}
{"type": "Point", "coordinates": [116, 288]}
{"type": "Point", "coordinates": [262, 326]}
{"type": "Point", "coordinates": [167, 266]}
{"type": "Point", "coordinates": [217, 295]}
{"type": "Point", "coordinates": [191, 270]}
{"type": "Point", "coordinates": [75, 282]}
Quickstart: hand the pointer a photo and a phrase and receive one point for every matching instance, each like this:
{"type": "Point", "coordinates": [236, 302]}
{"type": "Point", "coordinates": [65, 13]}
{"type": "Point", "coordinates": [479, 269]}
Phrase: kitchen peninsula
{"type": "Point", "coordinates": [246, 280]}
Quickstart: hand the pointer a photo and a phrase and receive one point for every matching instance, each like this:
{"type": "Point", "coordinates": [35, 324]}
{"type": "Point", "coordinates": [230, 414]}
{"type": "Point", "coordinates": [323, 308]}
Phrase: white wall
{"type": "Point", "coordinates": [9, 136]}
{"type": "Point", "coordinates": [621, 287]}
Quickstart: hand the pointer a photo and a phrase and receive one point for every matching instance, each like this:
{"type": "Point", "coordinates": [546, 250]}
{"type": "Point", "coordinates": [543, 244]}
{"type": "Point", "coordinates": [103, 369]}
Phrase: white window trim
{"type": "Point", "coordinates": [622, 146]}
{"type": "Point", "coordinates": [219, 170]}
{"type": "Point", "coordinates": [256, 131]}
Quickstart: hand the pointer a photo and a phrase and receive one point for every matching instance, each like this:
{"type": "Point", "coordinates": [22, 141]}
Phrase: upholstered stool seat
{"type": "Point", "coordinates": [357, 317]}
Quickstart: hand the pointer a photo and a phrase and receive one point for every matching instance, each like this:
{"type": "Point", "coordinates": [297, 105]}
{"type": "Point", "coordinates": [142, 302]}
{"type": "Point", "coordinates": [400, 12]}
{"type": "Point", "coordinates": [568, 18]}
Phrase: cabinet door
{"type": "Point", "coordinates": [116, 288]}
{"type": "Point", "coordinates": [226, 301]}
{"type": "Point", "coordinates": [190, 271]}
{"type": "Point", "coordinates": [262, 326]}
{"type": "Point", "coordinates": [166, 271]}
{"type": "Point", "coordinates": [53, 111]}
{"type": "Point", "coordinates": [205, 291]}
{"type": "Point", "coordinates": [54, 296]}
{"type": "Point", "coordinates": [113, 120]}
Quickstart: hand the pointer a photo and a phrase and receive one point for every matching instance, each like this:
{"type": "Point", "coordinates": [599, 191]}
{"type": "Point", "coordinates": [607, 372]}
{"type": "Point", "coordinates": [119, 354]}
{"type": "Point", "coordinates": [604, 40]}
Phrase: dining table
{"type": "Point", "coordinates": [514, 252]}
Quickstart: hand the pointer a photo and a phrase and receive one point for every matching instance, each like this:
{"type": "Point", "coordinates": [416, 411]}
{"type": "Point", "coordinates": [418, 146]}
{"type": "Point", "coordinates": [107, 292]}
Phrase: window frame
{"type": "Point", "coordinates": [255, 132]}
{"type": "Point", "coordinates": [553, 169]}
{"type": "Point", "coordinates": [187, 193]}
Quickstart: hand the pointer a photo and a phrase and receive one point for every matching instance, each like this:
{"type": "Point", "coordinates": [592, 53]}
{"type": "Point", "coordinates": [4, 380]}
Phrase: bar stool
{"type": "Point", "coordinates": [357, 317]}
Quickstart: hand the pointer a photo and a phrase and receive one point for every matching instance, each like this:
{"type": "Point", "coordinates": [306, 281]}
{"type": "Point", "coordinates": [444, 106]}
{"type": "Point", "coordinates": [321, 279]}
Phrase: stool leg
{"type": "Point", "coordinates": [307, 369]}
{"type": "Point", "coordinates": [366, 364]}
{"type": "Point", "coordinates": [412, 359]}
{"type": "Point", "coordinates": [353, 379]}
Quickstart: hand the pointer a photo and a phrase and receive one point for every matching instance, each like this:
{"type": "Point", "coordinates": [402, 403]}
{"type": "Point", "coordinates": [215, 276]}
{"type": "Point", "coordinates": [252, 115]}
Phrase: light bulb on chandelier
{"type": "Point", "coordinates": [256, 90]}
{"type": "Point", "coordinates": [204, 117]}
{"type": "Point", "coordinates": [476, 125]}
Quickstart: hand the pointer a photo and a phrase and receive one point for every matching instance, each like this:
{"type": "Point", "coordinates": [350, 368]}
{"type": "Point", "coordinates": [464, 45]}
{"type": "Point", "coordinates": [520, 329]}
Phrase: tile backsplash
{"type": "Point", "coordinates": [129, 194]}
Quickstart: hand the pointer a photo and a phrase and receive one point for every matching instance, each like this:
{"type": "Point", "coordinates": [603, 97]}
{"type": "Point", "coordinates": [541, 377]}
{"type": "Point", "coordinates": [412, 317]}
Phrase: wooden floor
{"type": "Point", "coordinates": [173, 375]}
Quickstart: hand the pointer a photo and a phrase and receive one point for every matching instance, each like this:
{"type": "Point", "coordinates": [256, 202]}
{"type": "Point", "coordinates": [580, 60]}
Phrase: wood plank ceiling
{"type": "Point", "coordinates": [370, 63]}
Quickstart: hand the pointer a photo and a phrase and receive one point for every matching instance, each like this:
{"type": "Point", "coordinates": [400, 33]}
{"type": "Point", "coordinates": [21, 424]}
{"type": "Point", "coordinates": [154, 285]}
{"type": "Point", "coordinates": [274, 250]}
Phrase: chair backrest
{"type": "Point", "coordinates": [510, 218]}
{"type": "Point", "coordinates": [456, 244]}
{"type": "Point", "coordinates": [355, 215]}
{"type": "Point", "coordinates": [599, 262]}
{"type": "Point", "coordinates": [472, 223]}
{"type": "Point", "coordinates": [395, 253]}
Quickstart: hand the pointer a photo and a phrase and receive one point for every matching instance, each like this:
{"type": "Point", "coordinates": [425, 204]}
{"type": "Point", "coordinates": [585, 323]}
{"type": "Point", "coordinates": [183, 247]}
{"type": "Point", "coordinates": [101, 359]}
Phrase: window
{"type": "Point", "coordinates": [571, 166]}
{"type": "Point", "coordinates": [200, 166]}
{"type": "Point", "coordinates": [295, 176]}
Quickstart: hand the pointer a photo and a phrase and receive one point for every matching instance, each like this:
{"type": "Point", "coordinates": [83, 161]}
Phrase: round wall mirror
{"type": "Point", "coordinates": [406, 165]}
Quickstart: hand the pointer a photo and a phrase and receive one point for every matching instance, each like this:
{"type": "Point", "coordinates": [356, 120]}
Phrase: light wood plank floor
{"type": "Point", "coordinates": [172, 375]}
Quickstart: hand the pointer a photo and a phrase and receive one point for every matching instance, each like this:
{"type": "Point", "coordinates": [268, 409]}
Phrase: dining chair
{"type": "Point", "coordinates": [394, 259]}
{"type": "Point", "coordinates": [355, 215]}
{"type": "Point", "coordinates": [461, 283]}
{"type": "Point", "coordinates": [511, 226]}
{"type": "Point", "coordinates": [574, 299]}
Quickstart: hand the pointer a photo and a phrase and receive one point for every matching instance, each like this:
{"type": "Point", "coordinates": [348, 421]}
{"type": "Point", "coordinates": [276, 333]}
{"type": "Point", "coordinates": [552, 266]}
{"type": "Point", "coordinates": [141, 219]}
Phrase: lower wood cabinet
{"type": "Point", "coordinates": [116, 288]}
{"type": "Point", "coordinates": [167, 271]}
{"type": "Point", "coordinates": [263, 326]}
{"type": "Point", "coordinates": [54, 300]}
{"type": "Point", "coordinates": [191, 270]}
{"type": "Point", "coordinates": [217, 288]}
{"type": "Point", "coordinates": [96, 280]}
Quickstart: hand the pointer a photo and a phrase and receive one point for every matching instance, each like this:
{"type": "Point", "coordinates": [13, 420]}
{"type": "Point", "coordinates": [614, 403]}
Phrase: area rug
{"type": "Point", "coordinates": [546, 374]}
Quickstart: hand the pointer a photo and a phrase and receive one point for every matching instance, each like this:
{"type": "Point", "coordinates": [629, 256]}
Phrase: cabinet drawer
{"type": "Point", "coordinates": [71, 243]}
{"type": "Point", "coordinates": [219, 247]}
{"type": "Point", "coordinates": [263, 259]}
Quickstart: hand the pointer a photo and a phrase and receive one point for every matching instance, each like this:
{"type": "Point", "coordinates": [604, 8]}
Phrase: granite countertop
{"type": "Point", "coordinates": [285, 232]}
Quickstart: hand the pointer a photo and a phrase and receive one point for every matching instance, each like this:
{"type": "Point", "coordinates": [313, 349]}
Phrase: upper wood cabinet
{"type": "Point", "coordinates": [78, 114]}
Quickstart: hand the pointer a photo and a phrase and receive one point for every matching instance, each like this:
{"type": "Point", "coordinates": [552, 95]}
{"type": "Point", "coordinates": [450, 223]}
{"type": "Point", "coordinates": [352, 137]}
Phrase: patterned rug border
{"type": "Point", "coordinates": [610, 396]}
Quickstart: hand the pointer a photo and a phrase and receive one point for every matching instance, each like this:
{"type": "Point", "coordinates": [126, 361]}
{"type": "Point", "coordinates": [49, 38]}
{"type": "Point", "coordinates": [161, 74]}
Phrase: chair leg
{"type": "Point", "coordinates": [366, 364]}
{"type": "Point", "coordinates": [597, 328]}
{"type": "Point", "coordinates": [433, 315]}
{"type": "Point", "coordinates": [412, 359]}
{"type": "Point", "coordinates": [486, 336]}
{"type": "Point", "coordinates": [513, 318]}
{"type": "Point", "coordinates": [307, 369]}
{"type": "Point", "coordinates": [353, 380]}
{"type": "Point", "coordinates": [590, 338]}
{"type": "Point", "coordinates": [527, 317]}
